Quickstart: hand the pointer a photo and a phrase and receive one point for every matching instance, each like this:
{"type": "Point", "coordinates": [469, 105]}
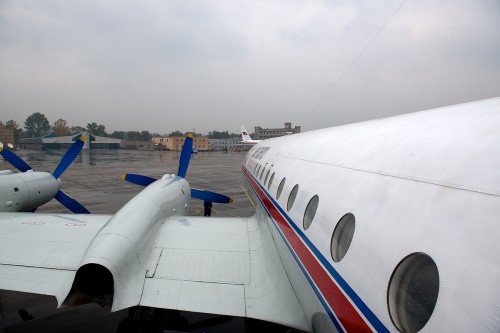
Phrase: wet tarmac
{"type": "Point", "coordinates": [94, 179]}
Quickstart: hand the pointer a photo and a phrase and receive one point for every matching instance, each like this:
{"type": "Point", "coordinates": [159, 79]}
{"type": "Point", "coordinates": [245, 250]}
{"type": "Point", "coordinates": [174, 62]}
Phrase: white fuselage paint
{"type": "Point", "coordinates": [427, 182]}
{"type": "Point", "coordinates": [251, 142]}
{"type": "Point", "coordinates": [23, 191]}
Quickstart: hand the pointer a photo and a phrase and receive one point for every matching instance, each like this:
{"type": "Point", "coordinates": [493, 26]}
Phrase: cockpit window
{"type": "Point", "coordinates": [280, 188]}
{"type": "Point", "coordinates": [291, 197]}
{"type": "Point", "coordinates": [311, 208]}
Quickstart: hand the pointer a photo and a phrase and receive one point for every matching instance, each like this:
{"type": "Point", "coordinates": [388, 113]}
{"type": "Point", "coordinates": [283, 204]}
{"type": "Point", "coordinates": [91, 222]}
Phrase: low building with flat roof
{"type": "Point", "coordinates": [176, 142]}
{"type": "Point", "coordinates": [268, 133]}
{"type": "Point", "coordinates": [138, 145]}
{"type": "Point", "coordinates": [233, 144]}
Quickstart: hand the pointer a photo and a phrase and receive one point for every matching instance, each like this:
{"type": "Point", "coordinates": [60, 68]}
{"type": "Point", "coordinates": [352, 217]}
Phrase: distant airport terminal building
{"type": "Point", "coordinates": [268, 133]}
{"type": "Point", "coordinates": [51, 141]}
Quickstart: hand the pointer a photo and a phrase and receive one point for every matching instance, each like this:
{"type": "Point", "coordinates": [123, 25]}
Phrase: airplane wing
{"type": "Point", "coordinates": [40, 253]}
{"type": "Point", "coordinates": [223, 266]}
{"type": "Point", "coordinates": [211, 265]}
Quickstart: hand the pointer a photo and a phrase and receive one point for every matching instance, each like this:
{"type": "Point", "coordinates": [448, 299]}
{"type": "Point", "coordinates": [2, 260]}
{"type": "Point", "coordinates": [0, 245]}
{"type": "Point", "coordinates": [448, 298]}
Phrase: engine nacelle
{"type": "Point", "coordinates": [23, 191]}
{"type": "Point", "coordinates": [122, 248]}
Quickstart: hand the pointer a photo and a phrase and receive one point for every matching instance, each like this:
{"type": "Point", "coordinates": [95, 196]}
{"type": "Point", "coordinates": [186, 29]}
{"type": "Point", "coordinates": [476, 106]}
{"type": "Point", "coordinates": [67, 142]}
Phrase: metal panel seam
{"type": "Point", "coordinates": [405, 177]}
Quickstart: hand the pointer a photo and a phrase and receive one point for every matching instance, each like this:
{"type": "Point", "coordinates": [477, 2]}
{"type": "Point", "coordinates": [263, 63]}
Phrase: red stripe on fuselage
{"type": "Point", "coordinates": [341, 306]}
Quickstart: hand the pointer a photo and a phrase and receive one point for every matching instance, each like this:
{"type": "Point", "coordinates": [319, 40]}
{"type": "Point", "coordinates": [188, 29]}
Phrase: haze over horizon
{"type": "Point", "coordinates": [163, 66]}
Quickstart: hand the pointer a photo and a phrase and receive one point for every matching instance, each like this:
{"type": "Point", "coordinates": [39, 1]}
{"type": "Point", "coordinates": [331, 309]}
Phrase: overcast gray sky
{"type": "Point", "coordinates": [162, 65]}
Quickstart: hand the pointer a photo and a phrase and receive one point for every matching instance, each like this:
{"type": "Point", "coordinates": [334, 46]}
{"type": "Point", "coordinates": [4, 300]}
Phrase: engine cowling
{"type": "Point", "coordinates": [23, 191]}
{"type": "Point", "coordinates": [117, 258]}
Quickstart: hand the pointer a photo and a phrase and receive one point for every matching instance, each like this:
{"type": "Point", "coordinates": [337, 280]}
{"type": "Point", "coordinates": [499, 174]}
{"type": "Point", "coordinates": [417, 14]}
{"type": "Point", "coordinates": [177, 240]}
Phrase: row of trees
{"type": "Point", "coordinates": [222, 135]}
{"type": "Point", "coordinates": [37, 125]}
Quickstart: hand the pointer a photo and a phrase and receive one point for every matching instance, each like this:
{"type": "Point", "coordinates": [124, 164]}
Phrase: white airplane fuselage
{"type": "Point", "coordinates": [387, 225]}
{"type": "Point", "coordinates": [26, 190]}
{"type": "Point", "coordinates": [424, 192]}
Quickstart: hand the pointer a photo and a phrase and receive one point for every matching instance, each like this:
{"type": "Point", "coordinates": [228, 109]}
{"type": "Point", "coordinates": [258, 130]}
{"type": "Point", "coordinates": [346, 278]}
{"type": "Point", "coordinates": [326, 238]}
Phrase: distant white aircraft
{"type": "Point", "coordinates": [246, 137]}
{"type": "Point", "coordinates": [28, 189]}
{"type": "Point", "coordinates": [385, 225]}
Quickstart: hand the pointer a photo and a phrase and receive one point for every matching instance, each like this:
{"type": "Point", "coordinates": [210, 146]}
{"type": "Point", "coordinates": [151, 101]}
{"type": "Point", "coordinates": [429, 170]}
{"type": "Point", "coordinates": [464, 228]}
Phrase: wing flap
{"type": "Point", "coordinates": [40, 253]}
{"type": "Point", "coordinates": [226, 266]}
{"type": "Point", "coordinates": [201, 265]}
{"type": "Point", "coordinates": [221, 298]}
{"type": "Point", "coordinates": [36, 280]}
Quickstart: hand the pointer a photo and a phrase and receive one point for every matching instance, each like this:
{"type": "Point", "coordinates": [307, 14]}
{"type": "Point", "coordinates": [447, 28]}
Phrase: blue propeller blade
{"type": "Point", "coordinates": [187, 150]}
{"type": "Point", "coordinates": [138, 179]}
{"type": "Point", "coordinates": [70, 203]}
{"type": "Point", "coordinates": [13, 159]}
{"type": "Point", "coordinates": [69, 157]}
{"type": "Point", "coordinates": [210, 196]}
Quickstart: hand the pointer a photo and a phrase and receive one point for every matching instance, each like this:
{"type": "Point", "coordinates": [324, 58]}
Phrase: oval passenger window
{"type": "Point", "coordinates": [270, 181]}
{"type": "Point", "coordinates": [280, 188]}
{"type": "Point", "coordinates": [267, 175]}
{"type": "Point", "coordinates": [291, 197]}
{"type": "Point", "coordinates": [342, 237]}
{"type": "Point", "coordinates": [311, 208]}
{"type": "Point", "coordinates": [413, 292]}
